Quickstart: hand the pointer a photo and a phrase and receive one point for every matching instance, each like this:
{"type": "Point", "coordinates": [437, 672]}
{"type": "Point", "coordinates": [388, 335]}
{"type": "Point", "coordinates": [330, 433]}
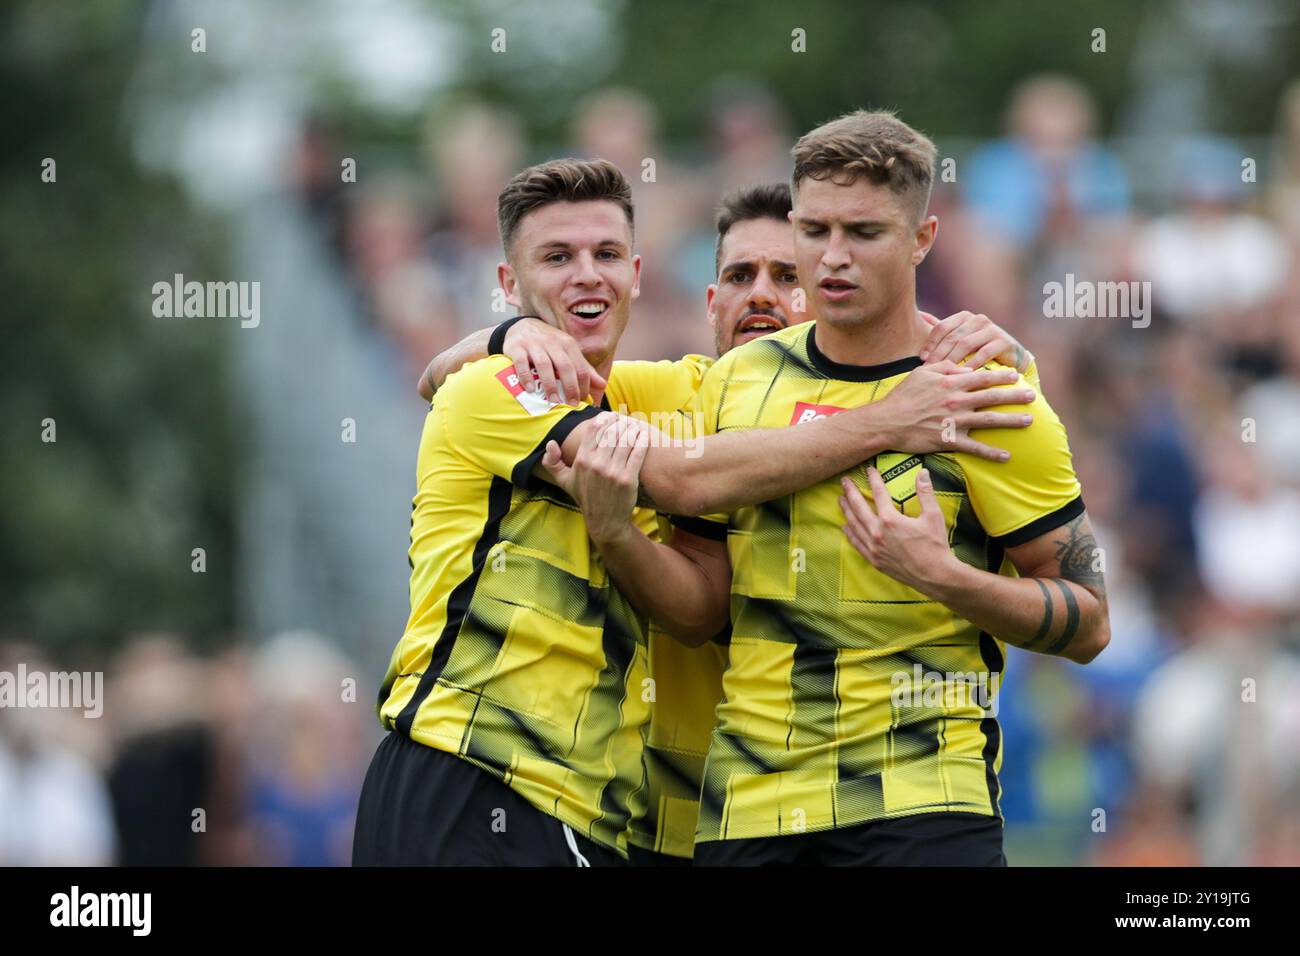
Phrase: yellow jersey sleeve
{"type": "Point", "coordinates": [1036, 490]}
{"type": "Point", "coordinates": [699, 418]}
{"type": "Point", "coordinates": [663, 386]}
{"type": "Point", "coordinates": [491, 421]}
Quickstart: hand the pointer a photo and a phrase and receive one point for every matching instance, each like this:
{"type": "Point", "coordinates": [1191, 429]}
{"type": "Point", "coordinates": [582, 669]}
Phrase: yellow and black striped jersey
{"type": "Point", "coordinates": [686, 682]}
{"type": "Point", "coordinates": [518, 656]}
{"type": "Point", "coordinates": [848, 696]}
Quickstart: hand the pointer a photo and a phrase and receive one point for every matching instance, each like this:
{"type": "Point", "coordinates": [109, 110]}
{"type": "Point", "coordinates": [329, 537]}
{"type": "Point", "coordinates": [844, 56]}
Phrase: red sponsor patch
{"type": "Point", "coordinates": [510, 379]}
{"type": "Point", "coordinates": [534, 403]}
{"type": "Point", "coordinates": [808, 412]}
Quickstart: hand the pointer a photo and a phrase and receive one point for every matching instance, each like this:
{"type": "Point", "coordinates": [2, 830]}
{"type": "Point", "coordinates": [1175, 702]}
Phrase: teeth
{"type": "Point", "coordinates": [589, 308]}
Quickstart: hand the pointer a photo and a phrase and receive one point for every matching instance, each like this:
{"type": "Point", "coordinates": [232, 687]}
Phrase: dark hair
{"type": "Point", "coordinates": [768, 201]}
{"type": "Point", "coordinates": [560, 180]}
{"type": "Point", "coordinates": [877, 145]}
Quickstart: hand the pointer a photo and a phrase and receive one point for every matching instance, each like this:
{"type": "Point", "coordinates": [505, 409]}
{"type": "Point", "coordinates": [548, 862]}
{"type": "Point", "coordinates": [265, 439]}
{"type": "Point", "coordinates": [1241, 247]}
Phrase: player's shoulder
{"type": "Point", "coordinates": [765, 354]}
{"type": "Point", "coordinates": [480, 374]}
{"type": "Point", "coordinates": [1031, 447]}
{"type": "Point", "coordinates": [489, 386]}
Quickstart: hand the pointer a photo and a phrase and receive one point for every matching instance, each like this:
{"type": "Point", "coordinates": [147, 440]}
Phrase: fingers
{"type": "Point", "coordinates": [970, 446]}
{"type": "Point", "coordinates": [854, 532]}
{"type": "Point", "coordinates": [553, 464]}
{"type": "Point", "coordinates": [925, 495]}
{"type": "Point", "coordinates": [986, 353]}
{"type": "Point", "coordinates": [994, 396]}
{"type": "Point", "coordinates": [857, 509]}
{"type": "Point", "coordinates": [947, 367]}
{"type": "Point", "coordinates": [928, 319]}
{"type": "Point", "coordinates": [969, 421]}
{"type": "Point", "coordinates": [566, 375]}
{"type": "Point", "coordinates": [545, 371]}
{"type": "Point", "coordinates": [932, 350]}
{"type": "Point", "coordinates": [879, 493]}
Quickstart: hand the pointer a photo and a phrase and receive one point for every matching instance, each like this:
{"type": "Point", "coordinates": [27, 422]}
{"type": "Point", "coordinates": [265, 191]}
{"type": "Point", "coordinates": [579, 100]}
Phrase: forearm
{"type": "Point", "coordinates": [469, 349]}
{"type": "Point", "coordinates": [722, 473]}
{"type": "Point", "coordinates": [667, 585]}
{"type": "Point", "coordinates": [1046, 615]}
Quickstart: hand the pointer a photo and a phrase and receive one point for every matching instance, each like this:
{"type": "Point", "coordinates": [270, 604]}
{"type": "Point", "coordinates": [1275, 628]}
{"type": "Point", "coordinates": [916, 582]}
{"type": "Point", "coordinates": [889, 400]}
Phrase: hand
{"type": "Point", "coordinates": [605, 474]}
{"type": "Point", "coordinates": [935, 408]}
{"type": "Point", "coordinates": [972, 335]}
{"type": "Point", "coordinates": [911, 550]}
{"type": "Point", "coordinates": [551, 358]}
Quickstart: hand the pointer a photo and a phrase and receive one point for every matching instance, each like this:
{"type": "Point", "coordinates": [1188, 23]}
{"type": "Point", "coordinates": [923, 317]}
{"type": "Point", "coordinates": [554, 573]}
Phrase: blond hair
{"type": "Point", "coordinates": [874, 144]}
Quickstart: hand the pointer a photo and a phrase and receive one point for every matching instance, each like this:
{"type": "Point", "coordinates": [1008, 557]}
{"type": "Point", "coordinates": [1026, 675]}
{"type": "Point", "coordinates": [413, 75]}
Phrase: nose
{"type": "Point", "coordinates": [836, 255]}
{"type": "Point", "coordinates": [762, 295]}
{"type": "Point", "coordinates": [585, 273]}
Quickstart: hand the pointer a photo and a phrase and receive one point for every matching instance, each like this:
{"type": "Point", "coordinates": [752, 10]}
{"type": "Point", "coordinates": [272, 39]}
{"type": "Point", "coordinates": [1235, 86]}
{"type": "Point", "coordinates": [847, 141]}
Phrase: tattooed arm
{"type": "Point", "coordinates": [1057, 606]}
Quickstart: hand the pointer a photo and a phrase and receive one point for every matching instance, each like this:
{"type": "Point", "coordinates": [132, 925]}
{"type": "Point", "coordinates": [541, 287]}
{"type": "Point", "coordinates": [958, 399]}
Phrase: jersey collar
{"type": "Point", "coordinates": [855, 373]}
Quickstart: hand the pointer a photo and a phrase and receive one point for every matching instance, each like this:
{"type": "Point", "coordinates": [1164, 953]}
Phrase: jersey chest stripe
{"type": "Point", "coordinates": [499, 496]}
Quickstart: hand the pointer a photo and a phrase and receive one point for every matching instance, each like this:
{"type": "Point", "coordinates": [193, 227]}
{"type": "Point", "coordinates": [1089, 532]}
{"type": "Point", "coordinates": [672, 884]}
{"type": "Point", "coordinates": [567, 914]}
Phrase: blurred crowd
{"type": "Point", "coordinates": [252, 756]}
{"type": "Point", "coordinates": [1177, 746]}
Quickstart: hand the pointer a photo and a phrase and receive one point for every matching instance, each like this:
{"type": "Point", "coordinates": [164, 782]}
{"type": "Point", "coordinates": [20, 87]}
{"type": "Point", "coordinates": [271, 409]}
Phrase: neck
{"type": "Point", "coordinates": [899, 333]}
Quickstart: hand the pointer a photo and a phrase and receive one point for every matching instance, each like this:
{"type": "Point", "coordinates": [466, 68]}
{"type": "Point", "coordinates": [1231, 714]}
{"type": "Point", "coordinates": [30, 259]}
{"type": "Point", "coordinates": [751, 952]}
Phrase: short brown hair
{"type": "Point", "coordinates": [875, 144]}
{"type": "Point", "coordinates": [560, 180]}
{"type": "Point", "coordinates": [768, 201]}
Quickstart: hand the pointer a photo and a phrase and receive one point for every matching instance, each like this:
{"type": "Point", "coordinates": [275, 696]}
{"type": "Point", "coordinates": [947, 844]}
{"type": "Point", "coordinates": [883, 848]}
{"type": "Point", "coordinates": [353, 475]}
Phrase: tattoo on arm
{"type": "Point", "coordinates": [1046, 626]}
{"type": "Point", "coordinates": [1071, 619]}
{"type": "Point", "coordinates": [1020, 357]}
{"type": "Point", "coordinates": [428, 377]}
{"type": "Point", "coordinates": [1076, 552]}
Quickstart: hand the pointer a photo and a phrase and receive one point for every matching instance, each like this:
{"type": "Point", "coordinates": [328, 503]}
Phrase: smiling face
{"type": "Point", "coordinates": [572, 264]}
{"type": "Point", "coordinates": [856, 248]}
{"type": "Point", "coordinates": [756, 282]}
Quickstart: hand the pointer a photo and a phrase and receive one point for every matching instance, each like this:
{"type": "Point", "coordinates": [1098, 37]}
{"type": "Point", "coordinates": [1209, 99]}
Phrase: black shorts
{"type": "Point", "coordinates": [641, 857]}
{"type": "Point", "coordinates": [924, 839]}
{"type": "Point", "coordinates": [424, 807]}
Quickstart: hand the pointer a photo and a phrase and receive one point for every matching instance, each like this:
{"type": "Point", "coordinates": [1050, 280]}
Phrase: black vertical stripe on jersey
{"type": "Point", "coordinates": [994, 663]}
{"type": "Point", "coordinates": [618, 641]}
{"type": "Point", "coordinates": [499, 496]}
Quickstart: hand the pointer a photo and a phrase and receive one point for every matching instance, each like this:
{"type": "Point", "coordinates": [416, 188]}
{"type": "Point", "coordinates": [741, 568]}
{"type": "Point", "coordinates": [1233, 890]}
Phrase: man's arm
{"type": "Point", "coordinates": [543, 355]}
{"type": "Point", "coordinates": [1058, 605]}
{"type": "Point", "coordinates": [684, 585]}
{"type": "Point", "coordinates": [933, 409]}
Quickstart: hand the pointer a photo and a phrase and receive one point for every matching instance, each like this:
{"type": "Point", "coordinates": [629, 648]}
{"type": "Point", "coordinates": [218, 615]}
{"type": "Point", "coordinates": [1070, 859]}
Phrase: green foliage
{"type": "Point", "coordinates": [97, 527]}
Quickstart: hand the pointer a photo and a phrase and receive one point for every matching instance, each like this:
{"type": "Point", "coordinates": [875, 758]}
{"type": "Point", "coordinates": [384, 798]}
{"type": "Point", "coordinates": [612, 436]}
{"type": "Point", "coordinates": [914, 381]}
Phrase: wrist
{"type": "Point", "coordinates": [497, 340]}
{"type": "Point", "coordinates": [613, 537]}
{"type": "Point", "coordinates": [879, 433]}
{"type": "Point", "coordinates": [947, 579]}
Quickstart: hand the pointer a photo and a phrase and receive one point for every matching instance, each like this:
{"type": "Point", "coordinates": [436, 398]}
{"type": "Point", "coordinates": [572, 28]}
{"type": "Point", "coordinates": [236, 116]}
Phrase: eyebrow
{"type": "Point", "coordinates": [731, 267]}
{"type": "Point", "coordinates": [559, 244]}
{"type": "Point", "coordinates": [856, 224]}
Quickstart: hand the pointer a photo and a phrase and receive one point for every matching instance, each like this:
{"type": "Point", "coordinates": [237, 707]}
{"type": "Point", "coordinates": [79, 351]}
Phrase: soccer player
{"type": "Point", "coordinates": [752, 297]}
{"type": "Point", "coordinates": [515, 696]}
{"type": "Point", "coordinates": [857, 725]}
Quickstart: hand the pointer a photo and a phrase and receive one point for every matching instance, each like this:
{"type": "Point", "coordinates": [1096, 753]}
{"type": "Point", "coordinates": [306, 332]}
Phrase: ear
{"type": "Point", "coordinates": [709, 293]}
{"type": "Point", "coordinates": [924, 239]}
{"type": "Point", "coordinates": [509, 283]}
{"type": "Point", "coordinates": [636, 277]}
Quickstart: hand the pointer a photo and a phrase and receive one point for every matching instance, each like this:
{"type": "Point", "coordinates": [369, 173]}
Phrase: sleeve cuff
{"type": "Point", "coordinates": [1040, 526]}
{"type": "Point", "coordinates": [559, 431]}
{"type": "Point", "coordinates": [700, 527]}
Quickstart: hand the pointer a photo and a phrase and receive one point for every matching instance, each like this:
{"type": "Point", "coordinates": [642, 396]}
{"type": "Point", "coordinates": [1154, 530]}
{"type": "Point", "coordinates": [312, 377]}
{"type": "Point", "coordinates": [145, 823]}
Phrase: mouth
{"type": "Point", "coordinates": [836, 290]}
{"type": "Point", "coordinates": [588, 311]}
{"type": "Point", "coordinates": [758, 325]}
